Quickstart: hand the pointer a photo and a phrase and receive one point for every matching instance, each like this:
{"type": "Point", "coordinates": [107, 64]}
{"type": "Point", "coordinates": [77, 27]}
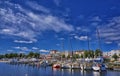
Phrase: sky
{"type": "Point", "coordinates": [44, 25]}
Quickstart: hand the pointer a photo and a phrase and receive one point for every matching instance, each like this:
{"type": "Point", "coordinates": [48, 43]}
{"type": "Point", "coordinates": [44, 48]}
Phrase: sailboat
{"type": "Point", "coordinates": [86, 65]}
{"type": "Point", "coordinates": [98, 65]}
{"type": "Point", "coordinates": [98, 62]}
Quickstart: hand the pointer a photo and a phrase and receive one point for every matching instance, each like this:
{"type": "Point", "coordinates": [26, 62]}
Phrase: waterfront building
{"type": "Point", "coordinates": [80, 52]}
{"type": "Point", "coordinates": [111, 53]}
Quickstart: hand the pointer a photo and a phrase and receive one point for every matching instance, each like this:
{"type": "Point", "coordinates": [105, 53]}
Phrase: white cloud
{"type": "Point", "coordinates": [110, 31]}
{"type": "Point", "coordinates": [35, 48]}
{"type": "Point", "coordinates": [6, 30]}
{"type": "Point", "coordinates": [96, 18]}
{"type": "Point", "coordinates": [22, 41]}
{"type": "Point", "coordinates": [108, 42]}
{"type": "Point", "coordinates": [38, 7]}
{"type": "Point", "coordinates": [57, 44]}
{"type": "Point", "coordinates": [21, 22]}
{"type": "Point", "coordinates": [118, 44]}
{"type": "Point", "coordinates": [78, 28]}
{"type": "Point", "coordinates": [21, 48]}
{"type": "Point", "coordinates": [23, 52]}
{"type": "Point", "coordinates": [61, 38]}
{"type": "Point", "coordinates": [10, 50]}
{"type": "Point", "coordinates": [42, 50]}
{"type": "Point", "coordinates": [82, 38]}
{"type": "Point", "coordinates": [57, 2]}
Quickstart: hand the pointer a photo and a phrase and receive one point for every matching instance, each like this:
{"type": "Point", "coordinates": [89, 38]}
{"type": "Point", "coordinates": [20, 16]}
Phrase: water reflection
{"type": "Point", "coordinates": [103, 73]}
{"type": "Point", "coordinates": [25, 70]}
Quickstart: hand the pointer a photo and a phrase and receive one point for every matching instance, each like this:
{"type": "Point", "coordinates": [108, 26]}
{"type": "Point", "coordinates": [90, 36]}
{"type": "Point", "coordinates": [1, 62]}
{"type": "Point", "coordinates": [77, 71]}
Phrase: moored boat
{"type": "Point", "coordinates": [99, 65]}
{"type": "Point", "coordinates": [56, 66]}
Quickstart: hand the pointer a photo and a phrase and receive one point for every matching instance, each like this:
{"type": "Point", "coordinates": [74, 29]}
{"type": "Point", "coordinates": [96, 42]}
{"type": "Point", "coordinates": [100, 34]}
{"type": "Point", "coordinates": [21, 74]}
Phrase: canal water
{"type": "Point", "coordinates": [25, 70]}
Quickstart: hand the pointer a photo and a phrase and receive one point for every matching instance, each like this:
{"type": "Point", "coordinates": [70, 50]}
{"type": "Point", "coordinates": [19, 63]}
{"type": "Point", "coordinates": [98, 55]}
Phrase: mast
{"type": "Point", "coordinates": [88, 42]}
{"type": "Point", "coordinates": [71, 49]}
{"type": "Point", "coordinates": [99, 46]}
{"type": "Point", "coordinates": [62, 47]}
{"type": "Point", "coordinates": [98, 36]}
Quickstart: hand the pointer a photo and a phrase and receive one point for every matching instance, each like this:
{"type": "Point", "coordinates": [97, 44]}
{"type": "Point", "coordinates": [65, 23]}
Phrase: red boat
{"type": "Point", "coordinates": [56, 66]}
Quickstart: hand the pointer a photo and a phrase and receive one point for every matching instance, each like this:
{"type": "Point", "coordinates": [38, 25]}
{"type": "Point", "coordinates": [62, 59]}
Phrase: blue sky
{"type": "Point", "coordinates": [41, 25]}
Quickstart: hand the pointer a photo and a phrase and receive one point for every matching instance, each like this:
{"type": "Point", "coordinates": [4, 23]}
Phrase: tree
{"type": "Point", "coordinates": [63, 55]}
{"type": "Point", "coordinates": [86, 54]}
{"type": "Point", "coordinates": [21, 55]}
{"type": "Point", "coordinates": [98, 52]}
{"type": "Point", "coordinates": [91, 54]}
{"type": "Point", "coordinates": [68, 56]}
{"type": "Point", "coordinates": [31, 54]}
{"type": "Point", "coordinates": [81, 56]}
{"type": "Point", "coordinates": [36, 55]}
{"type": "Point", "coordinates": [115, 56]}
{"type": "Point", "coordinates": [75, 56]}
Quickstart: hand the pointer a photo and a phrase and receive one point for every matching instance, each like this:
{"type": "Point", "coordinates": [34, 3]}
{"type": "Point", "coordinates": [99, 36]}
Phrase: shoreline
{"type": "Point", "coordinates": [3, 61]}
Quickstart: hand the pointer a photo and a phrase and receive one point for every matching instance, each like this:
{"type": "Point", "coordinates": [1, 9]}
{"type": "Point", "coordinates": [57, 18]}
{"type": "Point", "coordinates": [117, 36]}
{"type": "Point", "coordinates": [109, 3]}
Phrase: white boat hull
{"type": "Point", "coordinates": [98, 68]}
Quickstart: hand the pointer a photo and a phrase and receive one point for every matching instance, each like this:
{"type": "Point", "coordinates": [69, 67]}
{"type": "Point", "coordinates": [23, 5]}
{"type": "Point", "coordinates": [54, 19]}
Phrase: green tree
{"type": "Point", "coordinates": [31, 54]}
{"type": "Point", "coordinates": [81, 56]}
{"type": "Point", "coordinates": [36, 55]}
{"type": "Point", "coordinates": [98, 52]}
{"type": "Point", "coordinates": [115, 56]}
{"type": "Point", "coordinates": [91, 54]}
{"type": "Point", "coordinates": [21, 55]}
{"type": "Point", "coordinates": [63, 55]}
{"type": "Point", "coordinates": [68, 56]}
{"type": "Point", "coordinates": [76, 56]}
{"type": "Point", "coordinates": [86, 54]}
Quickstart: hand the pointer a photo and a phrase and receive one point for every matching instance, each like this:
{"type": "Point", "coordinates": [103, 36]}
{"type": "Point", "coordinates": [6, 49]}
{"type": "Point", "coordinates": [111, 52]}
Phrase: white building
{"type": "Point", "coordinates": [111, 53]}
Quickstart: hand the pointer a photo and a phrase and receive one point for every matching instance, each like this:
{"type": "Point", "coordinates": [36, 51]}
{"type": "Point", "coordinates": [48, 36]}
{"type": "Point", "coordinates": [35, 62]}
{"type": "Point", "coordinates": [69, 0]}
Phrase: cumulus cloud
{"type": "Point", "coordinates": [26, 49]}
{"type": "Point", "coordinates": [21, 48]}
{"type": "Point", "coordinates": [44, 51]}
{"type": "Point", "coordinates": [82, 38]}
{"type": "Point", "coordinates": [35, 48]}
{"type": "Point", "coordinates": [20, 22]}
{"type": "Point", "coordinates": [9, 50]}
{"type": "Point", "coordinates": [23, 41]}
